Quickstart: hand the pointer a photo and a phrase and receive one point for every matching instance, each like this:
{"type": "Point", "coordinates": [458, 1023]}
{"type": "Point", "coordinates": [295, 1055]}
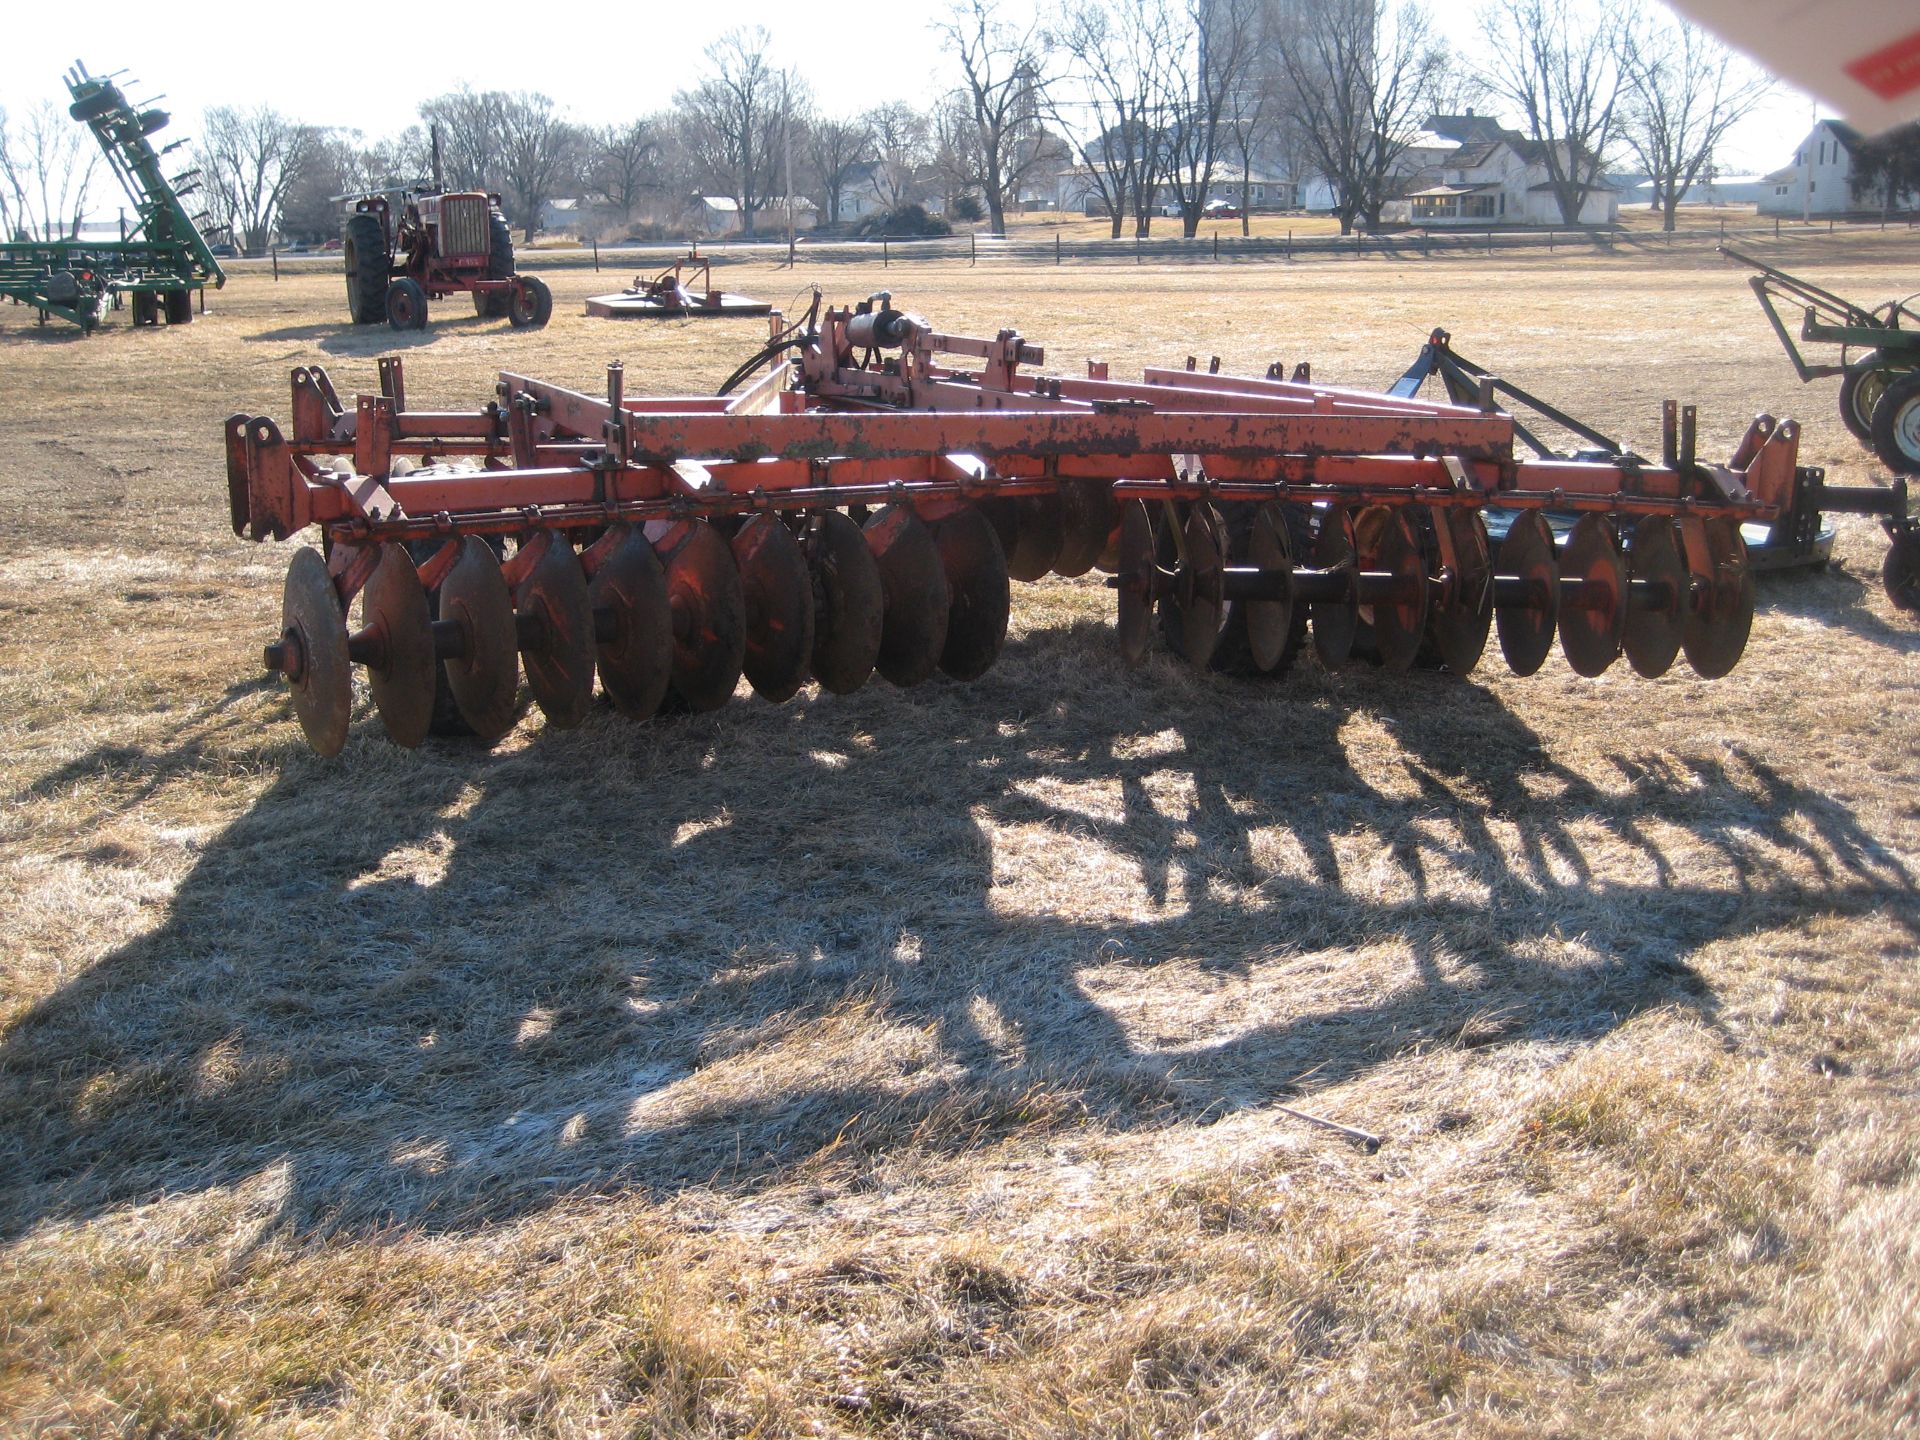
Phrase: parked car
{"type": "Point", "coordinates": [333, 244]}
{"type": "Point", "coordinates": [1220, 210]}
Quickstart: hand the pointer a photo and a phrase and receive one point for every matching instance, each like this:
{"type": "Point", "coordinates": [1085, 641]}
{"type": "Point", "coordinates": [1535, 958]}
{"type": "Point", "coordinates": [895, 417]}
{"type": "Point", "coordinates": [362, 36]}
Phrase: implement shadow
{"type": "Point", "coordinates": [443, 989]}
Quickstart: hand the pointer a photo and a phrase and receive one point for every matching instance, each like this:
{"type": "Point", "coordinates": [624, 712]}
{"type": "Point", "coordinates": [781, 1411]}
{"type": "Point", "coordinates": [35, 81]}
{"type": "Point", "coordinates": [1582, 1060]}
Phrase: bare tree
{"type": "Point", "coordinates": [48, 167]}
{"type": "Point", "coordinates": [1112, 67]}
{"type": "Point", "coordinates": [249, 159]}
{"type": "Point", "coordinates": [1208, 58]}
{"type": "Point", "coordinates": [1560, 67]}
{"type": "Point", "coordinates": [1002, 82]}
{"type": "Point", "coordinates": [623, 163]}
{"type": "Point", "coordinates": [539, 155]}
{"type": "Point", "coordinates": [469, 126]}
{"type": "Point", "coordinates": [744, 106]}
{"type": "Point", "coordinates": [901, 146]}
{"type": "Point", "coordinates": [1685, 90]}
{"type": "Point", "coordinates": [835, 149]}
{"type": "Point", "coordinates": [1359, 78]}
{"type": "Point", "coordinates": [954, 149]}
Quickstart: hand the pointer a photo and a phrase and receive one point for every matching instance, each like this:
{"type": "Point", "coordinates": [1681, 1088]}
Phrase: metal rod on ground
{"type": "Point", "coordinates": [1366, 1140]}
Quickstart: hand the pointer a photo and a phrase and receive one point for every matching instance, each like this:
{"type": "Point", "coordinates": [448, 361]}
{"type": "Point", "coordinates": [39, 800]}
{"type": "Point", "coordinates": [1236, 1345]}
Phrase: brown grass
{"type": "Point", "coordinates": [910, 1063]}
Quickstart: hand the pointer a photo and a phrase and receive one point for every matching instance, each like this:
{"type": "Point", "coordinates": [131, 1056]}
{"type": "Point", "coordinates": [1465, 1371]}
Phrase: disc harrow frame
{"type": "Point", "coordinates": [864, 505]}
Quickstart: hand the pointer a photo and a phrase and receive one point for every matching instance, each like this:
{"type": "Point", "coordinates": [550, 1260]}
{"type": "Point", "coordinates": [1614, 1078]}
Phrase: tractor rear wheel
{"type": "Point", "coordinates": [1860, 391]}
{"type": "Point", "coordinates": [530, 303]}
{"type": "Point", "coordinates": [1896, 425]}
{"type": "Point", "coordinates": [364, 247]}
{"type": "Point", "coordinates": [492, 305]}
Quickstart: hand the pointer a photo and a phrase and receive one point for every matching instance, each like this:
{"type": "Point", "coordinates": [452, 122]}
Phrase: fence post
{"type": "Point", "coordinates": [886, 260]}
{"type": "Point", "coordinates": [1549, 242]}
{"type": "Point", "coordinates": [1216, 244]}
{"type": "Point", "coordinates": [596, 254]}
{"type": "Point", "coordinates": [1776, 227]}
{"type": "Point", "coordinates": [973, 247]}
{"type": "Point", "coordinates": [1056, 247]}
{"type": "Point", "coordinates": [1136, 247]}
{"type": "Point", "coordinates": [1289, 244]}
{"type": "Point", "coordinates": [275, 252]}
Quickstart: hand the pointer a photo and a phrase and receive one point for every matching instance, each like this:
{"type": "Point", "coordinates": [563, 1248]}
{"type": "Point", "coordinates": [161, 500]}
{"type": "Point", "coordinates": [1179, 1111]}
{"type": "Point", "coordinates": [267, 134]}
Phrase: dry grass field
{"type": "Point", "coordinates": [918, 1062]}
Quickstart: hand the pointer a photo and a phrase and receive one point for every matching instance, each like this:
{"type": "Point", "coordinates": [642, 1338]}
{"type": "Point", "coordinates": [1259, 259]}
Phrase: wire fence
{"type": "Point", "coordinates": [1058, 249]}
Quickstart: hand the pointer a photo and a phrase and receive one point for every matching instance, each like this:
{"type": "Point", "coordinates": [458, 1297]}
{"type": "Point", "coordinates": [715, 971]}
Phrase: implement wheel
{"type": "Point", "coordinates": [1860, 391]}
{"type": "Point", "coordinates": [1896, 425]}
{"type": "Point", "coordinates": [364, 247]}
{"type": "Point", "coordinates": [406, 304]}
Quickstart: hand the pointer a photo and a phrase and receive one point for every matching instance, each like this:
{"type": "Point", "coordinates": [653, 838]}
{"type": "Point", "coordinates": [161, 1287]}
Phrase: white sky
{"type": "Point", "coordinates": [337, 65]}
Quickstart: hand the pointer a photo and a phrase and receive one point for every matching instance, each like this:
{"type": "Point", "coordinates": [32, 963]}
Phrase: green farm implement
{"type": "Point", "coordinates": [1879, 364]}
{"type": "Point", "coordinates": [159, 261]}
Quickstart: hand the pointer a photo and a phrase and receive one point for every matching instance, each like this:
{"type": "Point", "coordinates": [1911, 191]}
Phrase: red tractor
{"type": "Point", "coordinates": [442, 244]}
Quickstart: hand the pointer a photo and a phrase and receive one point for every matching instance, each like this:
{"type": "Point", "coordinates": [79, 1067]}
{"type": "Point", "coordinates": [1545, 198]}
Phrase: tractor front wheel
{"type": "Point", "coordinates": [1896, 425]}
{"type": "Point", "coordinates": [406, 304]}
{"type": "Point", "coordinates": [1860, 391]}
{"type": "Point", "coordinates": [364, 248]}
{"type": "Point", "coordinates": [531, 303]}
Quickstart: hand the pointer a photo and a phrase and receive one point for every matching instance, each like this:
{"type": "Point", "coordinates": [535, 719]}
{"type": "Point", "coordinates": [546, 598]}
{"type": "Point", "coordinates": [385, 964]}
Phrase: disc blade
{"type": "Point", "coordinates": [1086, 519]}
{"type": "Point", "coordinates": [1039, 533]}
{"type": "Point", "coordinates": [311, 620]}
{"type": "Point", "coordinates": [1270, 621]}
{"type": "Point", "coordinates": [1527, 624]}
{"type": "Point", "coordinates": [1194, 611]}
{"type": "Point", "coordinates": [394, 606]}
{"type": "Point", "coordinates": [555, 620]}
{"type": "Point", "coordinates": [914, 630]}
{"type": "Point", "coordinates": [1384, 543]}
{"type": "Point", "coordinates": [1459, 628]}
{"type": "Point", "coordinates": [778, 590]}
{"type": "Point", "coordinates": [1656, 599]}
{"type": "Point", "coordinates": [1593, 616]}
{"type": "Point", "coordinates": [484, 674]}
{"type": "Point", "coordinates": [1714, 634]}
{"type": "Point", "coordinates": [849, 602]}
{"type": "Point", "coordinates": [709, 612]}
{"type": "Point", "coordinates": [1135, 562]}
{"type": "Point", "coordinates": [976, 571]}
{"type": "Point", "coordinates": [1334, 621]}
{"type": "Point", "coordinates": [634, 641]}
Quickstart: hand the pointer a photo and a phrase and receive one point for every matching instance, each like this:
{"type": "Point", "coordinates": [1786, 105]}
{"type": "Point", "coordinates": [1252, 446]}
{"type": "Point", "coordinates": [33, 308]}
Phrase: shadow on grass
{"type": "Point", "coordinates": [444, 989]}
{"type": "Point", "coordinates": [346, 338]}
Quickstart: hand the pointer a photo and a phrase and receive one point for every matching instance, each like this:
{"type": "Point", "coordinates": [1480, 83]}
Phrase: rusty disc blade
{"type": "Point", "coordinates": [1086, 519]}
{"type": "Point", "coordinates": [1039, 532]}
{"type": "Point", "coordinates": [1459, 628]}
{"type": "Point", "coordinates": [394, 607]}
{"type": "Point", "coordinates": [849, 602]}
{"type": "Point", "coordinates": [1593, 616]}
{"type": "Point", "coordinates": [1384, 542]}
{"type": "Point", "coordinates": [555, 622]}
{"type": "Point", "coordinates": [1199, 604]}
{"type": "Point", "coordinates": [1270, 621]}
{"type": "Point", "coordinates": [976, 571]}
{"type": "Point", "coordinates": [709, 612]}
{"type": "Point", "coordinates": [1714, 634]}
{"type": "Point", "coordinates": [1656, 597]}
{"type": "Point", "coordinates": [1136, 568]}
{"type": "Point", "coordinates": [484, 673]}
{"type": "Point", "coordinates": [1004, 516]}
{"type": "Point", "coordinates": [1527, 624]}
{"type": "Point", "coordinates": [634, 650]}
{"type": "Point", "coordinates": [312, 621]}
{"type": "Point", "coordinates": [914, 631]}
{"type": "Point", "coordinates": [1334, 621]}
{"type": "Point", "coordinates": [778, 589]}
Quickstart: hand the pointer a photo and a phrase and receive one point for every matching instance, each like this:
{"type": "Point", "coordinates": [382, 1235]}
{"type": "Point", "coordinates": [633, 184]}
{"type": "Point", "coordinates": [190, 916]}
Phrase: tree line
{"type": "Point", "coordinates": [1155, 105]}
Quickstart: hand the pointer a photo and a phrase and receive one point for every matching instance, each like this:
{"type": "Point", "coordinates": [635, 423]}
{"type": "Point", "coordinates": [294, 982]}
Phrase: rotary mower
{"type": "Point", "coordinates": [685, 288]}
{"type": "Point", "coordinates": [861, 507]}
